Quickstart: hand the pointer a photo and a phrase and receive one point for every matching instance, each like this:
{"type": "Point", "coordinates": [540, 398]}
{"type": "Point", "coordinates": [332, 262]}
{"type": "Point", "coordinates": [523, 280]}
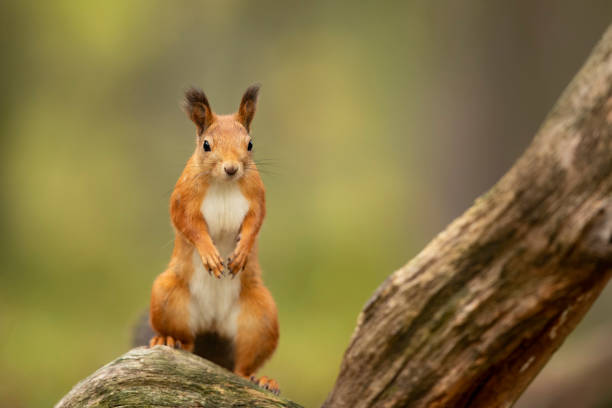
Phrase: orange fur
{"type": "Point", "coordinates": [256, 336]}
{"type": "Point", "coordinates": [257, 324]}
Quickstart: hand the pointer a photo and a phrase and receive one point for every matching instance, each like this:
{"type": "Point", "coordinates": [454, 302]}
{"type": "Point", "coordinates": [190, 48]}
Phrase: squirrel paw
{"type": "Point", "coordinates": [267, 384]}
{"type": "Point", "coordinates": [213, 264]}
{"type": "Point", "coordinates": [238, 261]}
{"type": "Point", "coordinates": [168, 341]}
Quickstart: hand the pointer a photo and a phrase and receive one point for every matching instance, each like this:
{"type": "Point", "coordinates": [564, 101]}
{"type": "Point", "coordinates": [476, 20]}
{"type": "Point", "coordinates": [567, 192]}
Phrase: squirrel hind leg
{"type": "Point", "coordinates": [170, 342]}
{"type": "Point", "coordinates": [267, 384]}
{"type": "Point", "coordinates": [257, 334]}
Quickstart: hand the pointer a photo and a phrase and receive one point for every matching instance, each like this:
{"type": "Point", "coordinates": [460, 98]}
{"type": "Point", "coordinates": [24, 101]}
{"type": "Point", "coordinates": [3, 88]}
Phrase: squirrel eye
{"type": "Point", "coordinates": [206, 146]}
{"type": "Point", "coordinates": [250, 147]}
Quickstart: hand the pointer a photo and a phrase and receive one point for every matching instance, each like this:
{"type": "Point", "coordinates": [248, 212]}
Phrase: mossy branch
{"type": "Point", "coordinates": [164, 377]}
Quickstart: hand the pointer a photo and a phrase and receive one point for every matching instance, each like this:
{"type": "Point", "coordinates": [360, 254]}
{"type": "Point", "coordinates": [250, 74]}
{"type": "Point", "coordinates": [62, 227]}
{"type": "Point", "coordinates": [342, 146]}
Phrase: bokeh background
{"type": "Point", "coordinates": [378, 123]}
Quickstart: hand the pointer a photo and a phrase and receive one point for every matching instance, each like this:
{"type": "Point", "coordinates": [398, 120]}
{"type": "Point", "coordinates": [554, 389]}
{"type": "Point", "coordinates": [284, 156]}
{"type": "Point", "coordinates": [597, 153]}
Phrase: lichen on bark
{"type": "Point", "coordinates": [164, 377]}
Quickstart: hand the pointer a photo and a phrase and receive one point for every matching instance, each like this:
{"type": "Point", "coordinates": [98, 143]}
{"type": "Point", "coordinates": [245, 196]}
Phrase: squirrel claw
{"type": "Point", "coordinates": [166, 341]}
{"type": "Point", "coordinates": [237, 262]}
{"type": "Point", "coordinates": [170, 341]}
{"type": "Point", "coordinates": [267, 384]}
{"type": "Point", "coordinates": [213, 263]}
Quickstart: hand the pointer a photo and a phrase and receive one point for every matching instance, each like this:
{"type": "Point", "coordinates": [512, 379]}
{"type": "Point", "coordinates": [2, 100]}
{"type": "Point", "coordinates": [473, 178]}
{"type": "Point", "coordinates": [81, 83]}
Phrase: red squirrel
{"type": "Point", "coordinates": [211, 299]}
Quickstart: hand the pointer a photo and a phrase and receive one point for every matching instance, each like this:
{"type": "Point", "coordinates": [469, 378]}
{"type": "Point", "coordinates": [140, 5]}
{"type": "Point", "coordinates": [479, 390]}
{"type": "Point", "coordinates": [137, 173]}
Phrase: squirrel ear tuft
{"type": "Point", "coordinates": [248, 105]}
{"type": "Point", "coordinates": [197, 108]}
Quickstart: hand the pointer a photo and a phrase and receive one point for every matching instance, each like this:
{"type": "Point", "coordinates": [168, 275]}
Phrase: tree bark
{"type": "Point", "coordinates": [474, 317]}
{"type": "Point", "coordinates": [164, 377]}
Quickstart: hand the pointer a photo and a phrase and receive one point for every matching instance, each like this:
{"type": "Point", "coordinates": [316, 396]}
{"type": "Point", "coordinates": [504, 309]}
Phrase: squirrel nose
{"type": "Point", "coordinates": [230, 169]}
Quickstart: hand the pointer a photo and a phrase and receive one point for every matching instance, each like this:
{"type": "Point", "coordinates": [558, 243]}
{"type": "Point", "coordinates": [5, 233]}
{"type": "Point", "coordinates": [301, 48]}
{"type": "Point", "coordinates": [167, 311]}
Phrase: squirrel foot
{"type": "Point", "coordinates": [168, 341]}
{"type": "Point", "coordinates": [267, 384]}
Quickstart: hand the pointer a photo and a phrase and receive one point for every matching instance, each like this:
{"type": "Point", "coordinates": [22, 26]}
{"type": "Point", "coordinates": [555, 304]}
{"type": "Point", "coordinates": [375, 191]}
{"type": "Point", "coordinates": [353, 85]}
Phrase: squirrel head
{"type": "Point", "coordinates": [224, 145]}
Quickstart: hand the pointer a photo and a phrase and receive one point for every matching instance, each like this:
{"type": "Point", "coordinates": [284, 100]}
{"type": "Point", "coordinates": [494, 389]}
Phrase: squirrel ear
{"type": "Point", "coordinates": [197, 108]}
{"type": "Point", "coordinates": [248, 105]}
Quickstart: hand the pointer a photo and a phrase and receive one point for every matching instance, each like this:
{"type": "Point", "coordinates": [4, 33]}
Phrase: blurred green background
{"type": "Point", "coordinates": [378, 123]}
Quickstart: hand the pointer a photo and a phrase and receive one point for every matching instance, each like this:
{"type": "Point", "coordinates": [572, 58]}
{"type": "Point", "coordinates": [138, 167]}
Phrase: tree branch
{"type": "Point", "coordinates": [475, 316]}
{"type": "Point", "coordinates": [164, 377]}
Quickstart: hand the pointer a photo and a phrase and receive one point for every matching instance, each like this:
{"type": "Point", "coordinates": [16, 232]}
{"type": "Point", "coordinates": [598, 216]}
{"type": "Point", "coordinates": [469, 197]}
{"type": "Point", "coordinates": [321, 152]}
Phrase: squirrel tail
{"type": "Point", "coordinates": [211, 346]}
{"type": "Point", "coordinates": [142, 331]}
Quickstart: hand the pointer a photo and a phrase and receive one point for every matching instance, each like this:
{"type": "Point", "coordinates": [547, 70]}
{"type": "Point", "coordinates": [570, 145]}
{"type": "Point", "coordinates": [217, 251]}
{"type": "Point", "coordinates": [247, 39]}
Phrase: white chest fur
{"type": "Point", "coordinates": [224, 208]}
{"type": "Point", "coordinates": [214, 302]}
